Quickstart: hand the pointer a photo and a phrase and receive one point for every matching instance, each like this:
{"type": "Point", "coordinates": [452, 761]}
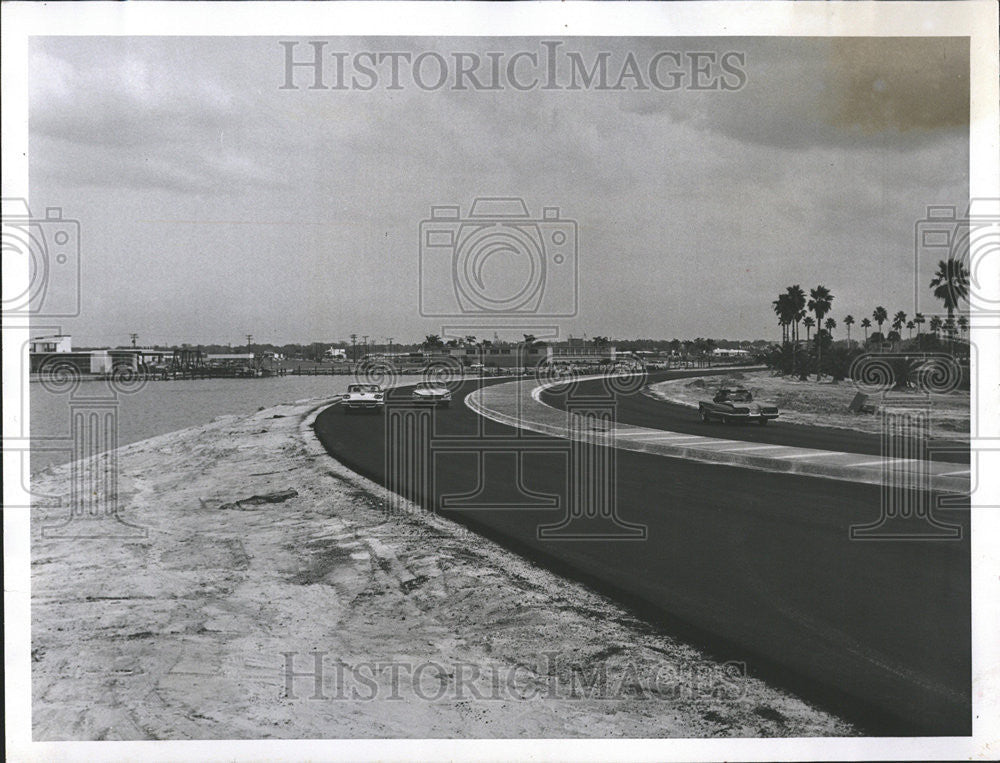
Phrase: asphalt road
{"type": "Point", "coordinates": [752, 566]}
{"type": "Point", "coordinates": [642, 410]}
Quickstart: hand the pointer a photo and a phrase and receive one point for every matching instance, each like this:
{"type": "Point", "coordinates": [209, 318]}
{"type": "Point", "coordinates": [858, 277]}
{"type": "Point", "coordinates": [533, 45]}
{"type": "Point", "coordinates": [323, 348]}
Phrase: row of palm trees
{"type": "Point", "coordinates": [792, 308]}
{"type": "Point", "coordinates": [950, 284]}
{"type": "Point", "coordinates": [900, 321]}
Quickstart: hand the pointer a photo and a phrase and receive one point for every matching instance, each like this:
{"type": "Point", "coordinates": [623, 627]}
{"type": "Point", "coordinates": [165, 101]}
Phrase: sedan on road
{"type": "Point", "coordinates": [736, 404]}
{"type": "Point", "coordinates": [364, 397]}
{"type": "Point", "coordinates": [432, 393]}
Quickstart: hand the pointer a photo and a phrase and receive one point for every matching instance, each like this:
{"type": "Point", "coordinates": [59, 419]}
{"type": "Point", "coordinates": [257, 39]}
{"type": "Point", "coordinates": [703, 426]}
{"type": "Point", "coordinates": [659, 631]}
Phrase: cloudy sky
{"type": "Point", "coordinates": [214, 203]}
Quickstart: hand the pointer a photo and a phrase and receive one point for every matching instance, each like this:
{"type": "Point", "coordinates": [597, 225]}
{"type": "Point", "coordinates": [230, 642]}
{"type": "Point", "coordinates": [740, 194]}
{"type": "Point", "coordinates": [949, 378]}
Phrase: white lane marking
{"type": "Point", "coordinates": [948, 474]}
{"type": "Point", "coordinates": [688, 440]}
{"type": "Point", "coordinates": [818, 454]}
{"type": "Point", "coordinates": [759, 447]}
{"type": "Point", "coordinates": [661, 436]}
{"type": "Point", "coordinates": [724, 444]}
{"type": "Point", "coordinates": [883, 461]}
{"type": "Point", "coordinates": [657, 434]}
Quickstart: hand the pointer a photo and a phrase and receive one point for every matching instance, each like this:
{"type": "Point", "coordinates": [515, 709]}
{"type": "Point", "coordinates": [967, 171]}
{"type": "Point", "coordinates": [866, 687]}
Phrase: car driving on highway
{"type": "Point", "coordinates": [363, 397]}
{"type": "Point", "coordinates": [736, 404]}
{"type": "Point", "coordinates": [432, 394]}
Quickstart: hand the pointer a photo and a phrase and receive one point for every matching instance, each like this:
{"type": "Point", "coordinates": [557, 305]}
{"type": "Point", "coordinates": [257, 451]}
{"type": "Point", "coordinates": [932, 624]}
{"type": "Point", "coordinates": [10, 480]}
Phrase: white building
{"type": "Point", "coordinates": [54, 343]}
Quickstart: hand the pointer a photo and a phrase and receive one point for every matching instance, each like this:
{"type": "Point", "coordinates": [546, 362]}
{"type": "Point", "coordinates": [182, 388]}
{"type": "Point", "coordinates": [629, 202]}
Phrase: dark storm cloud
{"type": "Point", "coordinates": [848, 92]}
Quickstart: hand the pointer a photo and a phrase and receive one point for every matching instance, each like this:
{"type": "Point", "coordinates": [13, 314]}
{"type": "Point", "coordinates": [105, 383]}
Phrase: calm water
{"type": "Point", "coordinates": [163, 406]}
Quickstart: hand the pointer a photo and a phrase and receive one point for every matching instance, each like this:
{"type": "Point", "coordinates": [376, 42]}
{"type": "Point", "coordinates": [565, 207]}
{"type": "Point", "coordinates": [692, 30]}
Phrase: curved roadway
{"type": "Point", "coordinates": [754, 566]}
{"type": "Point", "coordinates": [646, 411]}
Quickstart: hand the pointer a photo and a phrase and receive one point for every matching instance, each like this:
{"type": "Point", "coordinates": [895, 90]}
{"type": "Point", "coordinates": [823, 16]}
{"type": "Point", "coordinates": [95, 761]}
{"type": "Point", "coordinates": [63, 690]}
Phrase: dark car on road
{"type": "Point", "coordinates": [736, 404]}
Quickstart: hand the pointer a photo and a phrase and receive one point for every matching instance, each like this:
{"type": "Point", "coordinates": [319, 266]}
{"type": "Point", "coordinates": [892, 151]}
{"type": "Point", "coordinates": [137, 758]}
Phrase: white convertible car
{"type": "Point", "coordinates": [363, 397]}
{"type": "Point", "coordinates": [432, 394]}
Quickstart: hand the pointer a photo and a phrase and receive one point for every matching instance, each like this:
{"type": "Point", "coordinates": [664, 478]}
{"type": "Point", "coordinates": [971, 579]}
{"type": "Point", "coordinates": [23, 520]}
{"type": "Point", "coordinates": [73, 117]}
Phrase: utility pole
{"type": "Point", "coordinates": [354, 348]}
{"type": "Point", "coordinates": [389, 340]}
{"type": "Point", "coordinates": [249, 340]}
{"type": "Point", "coordinates": [133, 337]}
{"type": "Point", "coordinates": [365, 336]}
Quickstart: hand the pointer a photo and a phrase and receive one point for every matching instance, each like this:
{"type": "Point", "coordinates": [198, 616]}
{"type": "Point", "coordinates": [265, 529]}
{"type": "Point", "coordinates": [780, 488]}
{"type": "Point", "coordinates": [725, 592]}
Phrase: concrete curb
{"type": "Point", "coordinates": [624, 438]}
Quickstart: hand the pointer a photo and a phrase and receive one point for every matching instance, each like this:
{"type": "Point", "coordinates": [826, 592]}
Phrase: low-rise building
{"type": "Point", "coordinates": [53, 343]}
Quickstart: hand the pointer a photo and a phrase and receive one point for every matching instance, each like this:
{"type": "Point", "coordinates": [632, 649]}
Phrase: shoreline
{"type": "Point", "coordinates": [183, 633]}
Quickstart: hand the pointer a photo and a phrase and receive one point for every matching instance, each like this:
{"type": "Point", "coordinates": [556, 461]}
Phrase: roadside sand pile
{"type": "Point", "coordinates": [822, 403]}
{"type": "Point", "coordinates": [259, 546]}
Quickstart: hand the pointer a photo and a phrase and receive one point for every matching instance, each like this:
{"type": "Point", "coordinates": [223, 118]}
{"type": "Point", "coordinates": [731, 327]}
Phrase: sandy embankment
{"type": "Point", "coordinates": [823, 403]}
{"type": "Point", "coordinates": [183, 634]}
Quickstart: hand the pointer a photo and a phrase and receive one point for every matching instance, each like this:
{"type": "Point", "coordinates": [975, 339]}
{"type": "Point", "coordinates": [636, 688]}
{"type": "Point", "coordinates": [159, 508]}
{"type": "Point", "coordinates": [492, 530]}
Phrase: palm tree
{"type": "Point", "coordinates": [797, 301]}
{"type": "Point", "coordinates": [848, 321]}
{"type": "Point", "coordinates": [881, 316]}
{"type": "Point", "coordinates": [785, 311]}
{"type": "Point", "coordinates": [797, 311]}
{"type": "Point", "coordinates": [963, 324]}
{"type": "Point", "coordinates": [898, 321]}
{"type": "Point", "coordinates": [830, 325]}
{"type": "Point", "coordinates": [909, 326]}
{"type": "Point", "coordinates": [432, 340]}
{"type": "Point", "coordinates": [935, 325]}
{"type": "Point", "coordinates": [820, 303]}
{"type": "Point", "coordinates": [776, 306]}
{"type": "Point", "coordinates": [866, 324]}
{"type": "Point", "coordinates": [808, 322]}
{"type": "Point", "coordinates": [784, 330]}
{"type": "Point", "coordinates": [949, 329]}
{"type": "Point", "coordinates": [919, 319]}
{"type": "Point", "coordinates": [951, 284]}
